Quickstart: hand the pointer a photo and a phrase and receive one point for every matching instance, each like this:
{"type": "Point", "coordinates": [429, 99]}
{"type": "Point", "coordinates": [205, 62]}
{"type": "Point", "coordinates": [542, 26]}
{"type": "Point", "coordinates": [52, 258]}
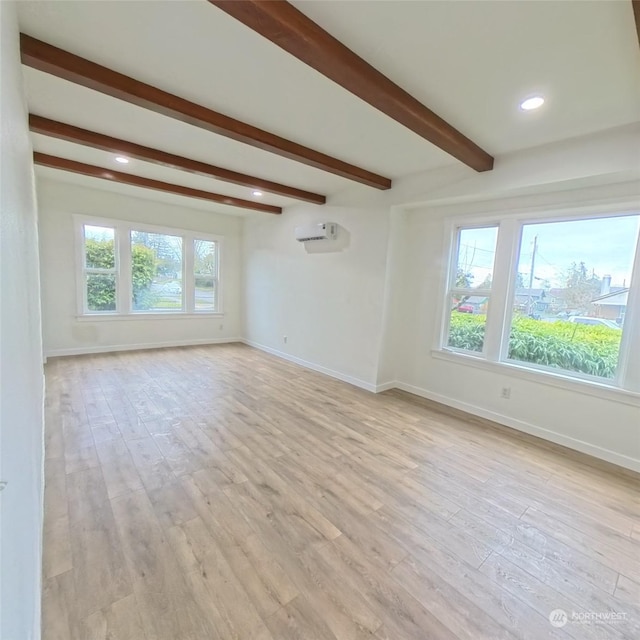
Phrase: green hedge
{"type": "Point", "coordinates": [563, 345]}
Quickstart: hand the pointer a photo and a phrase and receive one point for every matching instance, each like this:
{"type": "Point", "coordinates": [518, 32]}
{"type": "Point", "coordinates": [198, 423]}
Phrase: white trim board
{"type": "Point", "coordinates": [356, 382]}
{"type": "Point", "coordinates": [385, 386]}
{"type": "Point", "coordinates": [79, 351]}
{"type": "Point", "coordinates": [595, 451]}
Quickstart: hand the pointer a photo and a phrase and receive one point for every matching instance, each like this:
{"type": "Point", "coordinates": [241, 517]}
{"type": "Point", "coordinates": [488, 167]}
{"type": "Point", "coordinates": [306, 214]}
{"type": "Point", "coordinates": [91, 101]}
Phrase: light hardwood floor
{"type": "Point", "coordinates": [220, 493]}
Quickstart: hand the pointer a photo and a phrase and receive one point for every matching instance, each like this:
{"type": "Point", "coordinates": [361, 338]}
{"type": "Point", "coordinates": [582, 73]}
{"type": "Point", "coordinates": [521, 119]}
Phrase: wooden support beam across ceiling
{"type": "Point", "coordinates": [636, 15]}
{"type": "Point", "coordinates": [67, 132]}
{"type": "Point", "coordinates": [289, 28]}
{"type": "Point", "coordinates": [65, 65]}
{"type": "Point", "coordinates": [92, 171]}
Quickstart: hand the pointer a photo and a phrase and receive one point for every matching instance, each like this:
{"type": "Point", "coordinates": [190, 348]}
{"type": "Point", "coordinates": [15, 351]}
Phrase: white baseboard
{"type": "Point", "coordinates": [79, 351]}
{"type": "Point", "coordinates": [520, 425]}
{"type": "Point", "coordinates": [385, 386]}
{"type": "Point", "coordinates": [368, 386]}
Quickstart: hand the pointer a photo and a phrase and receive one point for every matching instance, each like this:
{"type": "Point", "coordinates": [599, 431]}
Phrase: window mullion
{"type": "Point", "coordinates": [123, 269]}
{"type": "Point", "coordinates": [189, 287]}
{"type": "Point", "coordinates": [499, 309]}
{"type": "Point", "coordinates": [470, 292]}
{"type": "Point", "coordinates": [217, 291]}
{"type": "Point", "coordinates": [628, 375]}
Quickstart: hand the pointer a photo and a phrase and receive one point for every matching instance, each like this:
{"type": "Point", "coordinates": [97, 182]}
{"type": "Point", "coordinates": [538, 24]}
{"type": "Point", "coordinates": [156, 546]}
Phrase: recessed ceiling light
{"type": "Point", "coordinates": [122, 160]}
{"type": "Point", "coordinates": [535, 102]}
{"type": "Point", "coordinates": [257, 193]}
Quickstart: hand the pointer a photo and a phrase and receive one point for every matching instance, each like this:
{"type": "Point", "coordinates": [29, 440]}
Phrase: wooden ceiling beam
{"type": "Point", "coordinates": [62, 131]}
{"type": "Point", "coordinates": [54, 162]}
{"type": "Point", "coordinates": [65, 65]}
{"type": "Point", "coordinates": [636, 14]}
{"type": "Point", "coordinates": [290, 29]}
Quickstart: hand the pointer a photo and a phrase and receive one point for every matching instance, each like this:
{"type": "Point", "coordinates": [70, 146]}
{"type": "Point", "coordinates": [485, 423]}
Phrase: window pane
{"type": "Point", "coordinates": [571, 293]}
{"type": "Point", "coordinates": [101, 292]}
{"type": "Point", "coordinates": [467, 322]}
{"type": "Point", "coordinates": [99, 247]}
{"type": "Point", "coordinates": [205, 271]}
{"type": "Point", "coordinates": [156, 271]}
{"type": "Point", "coordinates": [475, 259]}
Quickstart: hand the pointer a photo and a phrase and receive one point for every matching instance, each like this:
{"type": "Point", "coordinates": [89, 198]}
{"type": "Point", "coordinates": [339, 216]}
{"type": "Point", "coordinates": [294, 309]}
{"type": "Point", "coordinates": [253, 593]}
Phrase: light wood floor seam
{"type": "Point", "coordinates": [217, 492]}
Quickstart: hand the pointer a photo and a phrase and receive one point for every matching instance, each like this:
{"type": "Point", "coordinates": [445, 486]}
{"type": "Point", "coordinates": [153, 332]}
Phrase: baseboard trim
{"type": "Point", "coordinates": [356, 382]}
{"type": "Point", "coordinates": [80, 351]}
{"type": "Point", "coordinates": [594, 451]}
{"type": "Point", "coordinates": [385, 386]}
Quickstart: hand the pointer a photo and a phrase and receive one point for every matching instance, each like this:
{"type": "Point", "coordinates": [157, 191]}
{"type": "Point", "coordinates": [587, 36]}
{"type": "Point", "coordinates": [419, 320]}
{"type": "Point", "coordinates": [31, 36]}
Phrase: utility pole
{"type": "Point", "coordinates": [533, 266]}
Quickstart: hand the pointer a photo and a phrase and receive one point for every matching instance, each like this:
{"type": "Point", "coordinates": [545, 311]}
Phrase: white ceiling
{"type": "Point", "coordinates": [470, 62]}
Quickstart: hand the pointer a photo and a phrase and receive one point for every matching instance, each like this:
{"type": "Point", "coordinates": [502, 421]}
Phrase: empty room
{"type": "Point", "coordinates": [320, 320]}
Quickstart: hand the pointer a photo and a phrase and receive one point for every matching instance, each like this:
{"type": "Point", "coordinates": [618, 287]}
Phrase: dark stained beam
{"type": "Point", "coordinates": [636, 15]}
{"type": "Point", "coordinates": [286, 26]}
{"type": "Point", "coordinates": [67, 132]}
{"type": "Point", "coordinates": [126, 178]}
{"type": "Point", "coordinates": [65, 65]}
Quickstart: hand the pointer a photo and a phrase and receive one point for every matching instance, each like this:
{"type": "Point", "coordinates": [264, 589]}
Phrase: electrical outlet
{"type": "Point", "coordinates": [506, 393]}
{"type": "Point", "coordinates": [284, 339]}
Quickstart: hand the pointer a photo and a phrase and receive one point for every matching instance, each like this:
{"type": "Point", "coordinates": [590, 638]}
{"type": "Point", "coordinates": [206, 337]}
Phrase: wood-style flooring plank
{"type": "Point", "coordinates": [219, 493]}
{"type": "Point", "coordinates": [120, 621]}
{"type": "Point", "coordinates": [99, 572]}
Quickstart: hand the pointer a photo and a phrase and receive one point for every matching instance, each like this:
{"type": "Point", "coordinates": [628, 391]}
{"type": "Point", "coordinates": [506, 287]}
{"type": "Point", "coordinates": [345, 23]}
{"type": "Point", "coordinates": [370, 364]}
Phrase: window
{"type": "Point", "coordinates": [156, 272]}
{"type": "Point", "coordinates": [99, 269]}
{"type": "Point", "coordinates": [205, 274]}
{"type": "Point", "coordinates": [470, 287]}
{"type": "Point", "coordinates": [559, 301]}
{"type": "Point", "coordinates": [134, 269]}
{"type": "Point", "coordinates": [572, 277]}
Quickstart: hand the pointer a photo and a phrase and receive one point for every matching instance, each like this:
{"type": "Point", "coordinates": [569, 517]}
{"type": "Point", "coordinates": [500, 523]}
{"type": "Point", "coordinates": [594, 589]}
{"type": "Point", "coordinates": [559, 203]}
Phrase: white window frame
{"type": "Point", "coordinates": [216, 278]}
{"type": "Point", "coordinates": [453, 290]}
{"type": "Point", "coordinates": [124, 302]}
{"type": "Point", "coordinates": [625, 384]}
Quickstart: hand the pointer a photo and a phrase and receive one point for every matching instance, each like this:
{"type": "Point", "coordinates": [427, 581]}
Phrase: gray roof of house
{"type": "Point", "coordinates": [534, 293]}
{"type": "Point", "coordinates": [615, 298]}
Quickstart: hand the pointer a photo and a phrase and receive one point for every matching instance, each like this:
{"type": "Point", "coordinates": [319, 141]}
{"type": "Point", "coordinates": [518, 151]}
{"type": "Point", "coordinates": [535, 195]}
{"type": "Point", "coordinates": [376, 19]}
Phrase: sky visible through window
{"type": "Point", "coordinates": [606, 246]}
{"type": "Point", "coordinates": [476, 254]}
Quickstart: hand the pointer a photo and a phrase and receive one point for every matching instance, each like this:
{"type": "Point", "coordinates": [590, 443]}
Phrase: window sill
{"type": "Point", "coordinates": [550, 378]}
{"type": "Point", "coordinates": [173, 315]}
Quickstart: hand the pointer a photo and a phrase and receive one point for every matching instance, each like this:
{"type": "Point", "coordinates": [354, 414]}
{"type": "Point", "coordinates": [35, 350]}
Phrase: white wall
{"type": "Point", "coordinates": [606, 425]}
{"type": "Point", "coordinates": [64, 333]}
{"type": "Point", "coordinates": [329, 305]}
{"type": "Point", "coordinates": [367, 313]}
{"type": "Point", "coordinates": [600, 170]}
{"type": "Point", "coordinates": [21, 376]}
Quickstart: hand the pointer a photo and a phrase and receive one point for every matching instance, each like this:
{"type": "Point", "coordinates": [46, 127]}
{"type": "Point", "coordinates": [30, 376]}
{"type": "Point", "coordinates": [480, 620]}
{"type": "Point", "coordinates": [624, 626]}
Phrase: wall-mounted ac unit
{"type": "Point", "coordinates": [322, 231]}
